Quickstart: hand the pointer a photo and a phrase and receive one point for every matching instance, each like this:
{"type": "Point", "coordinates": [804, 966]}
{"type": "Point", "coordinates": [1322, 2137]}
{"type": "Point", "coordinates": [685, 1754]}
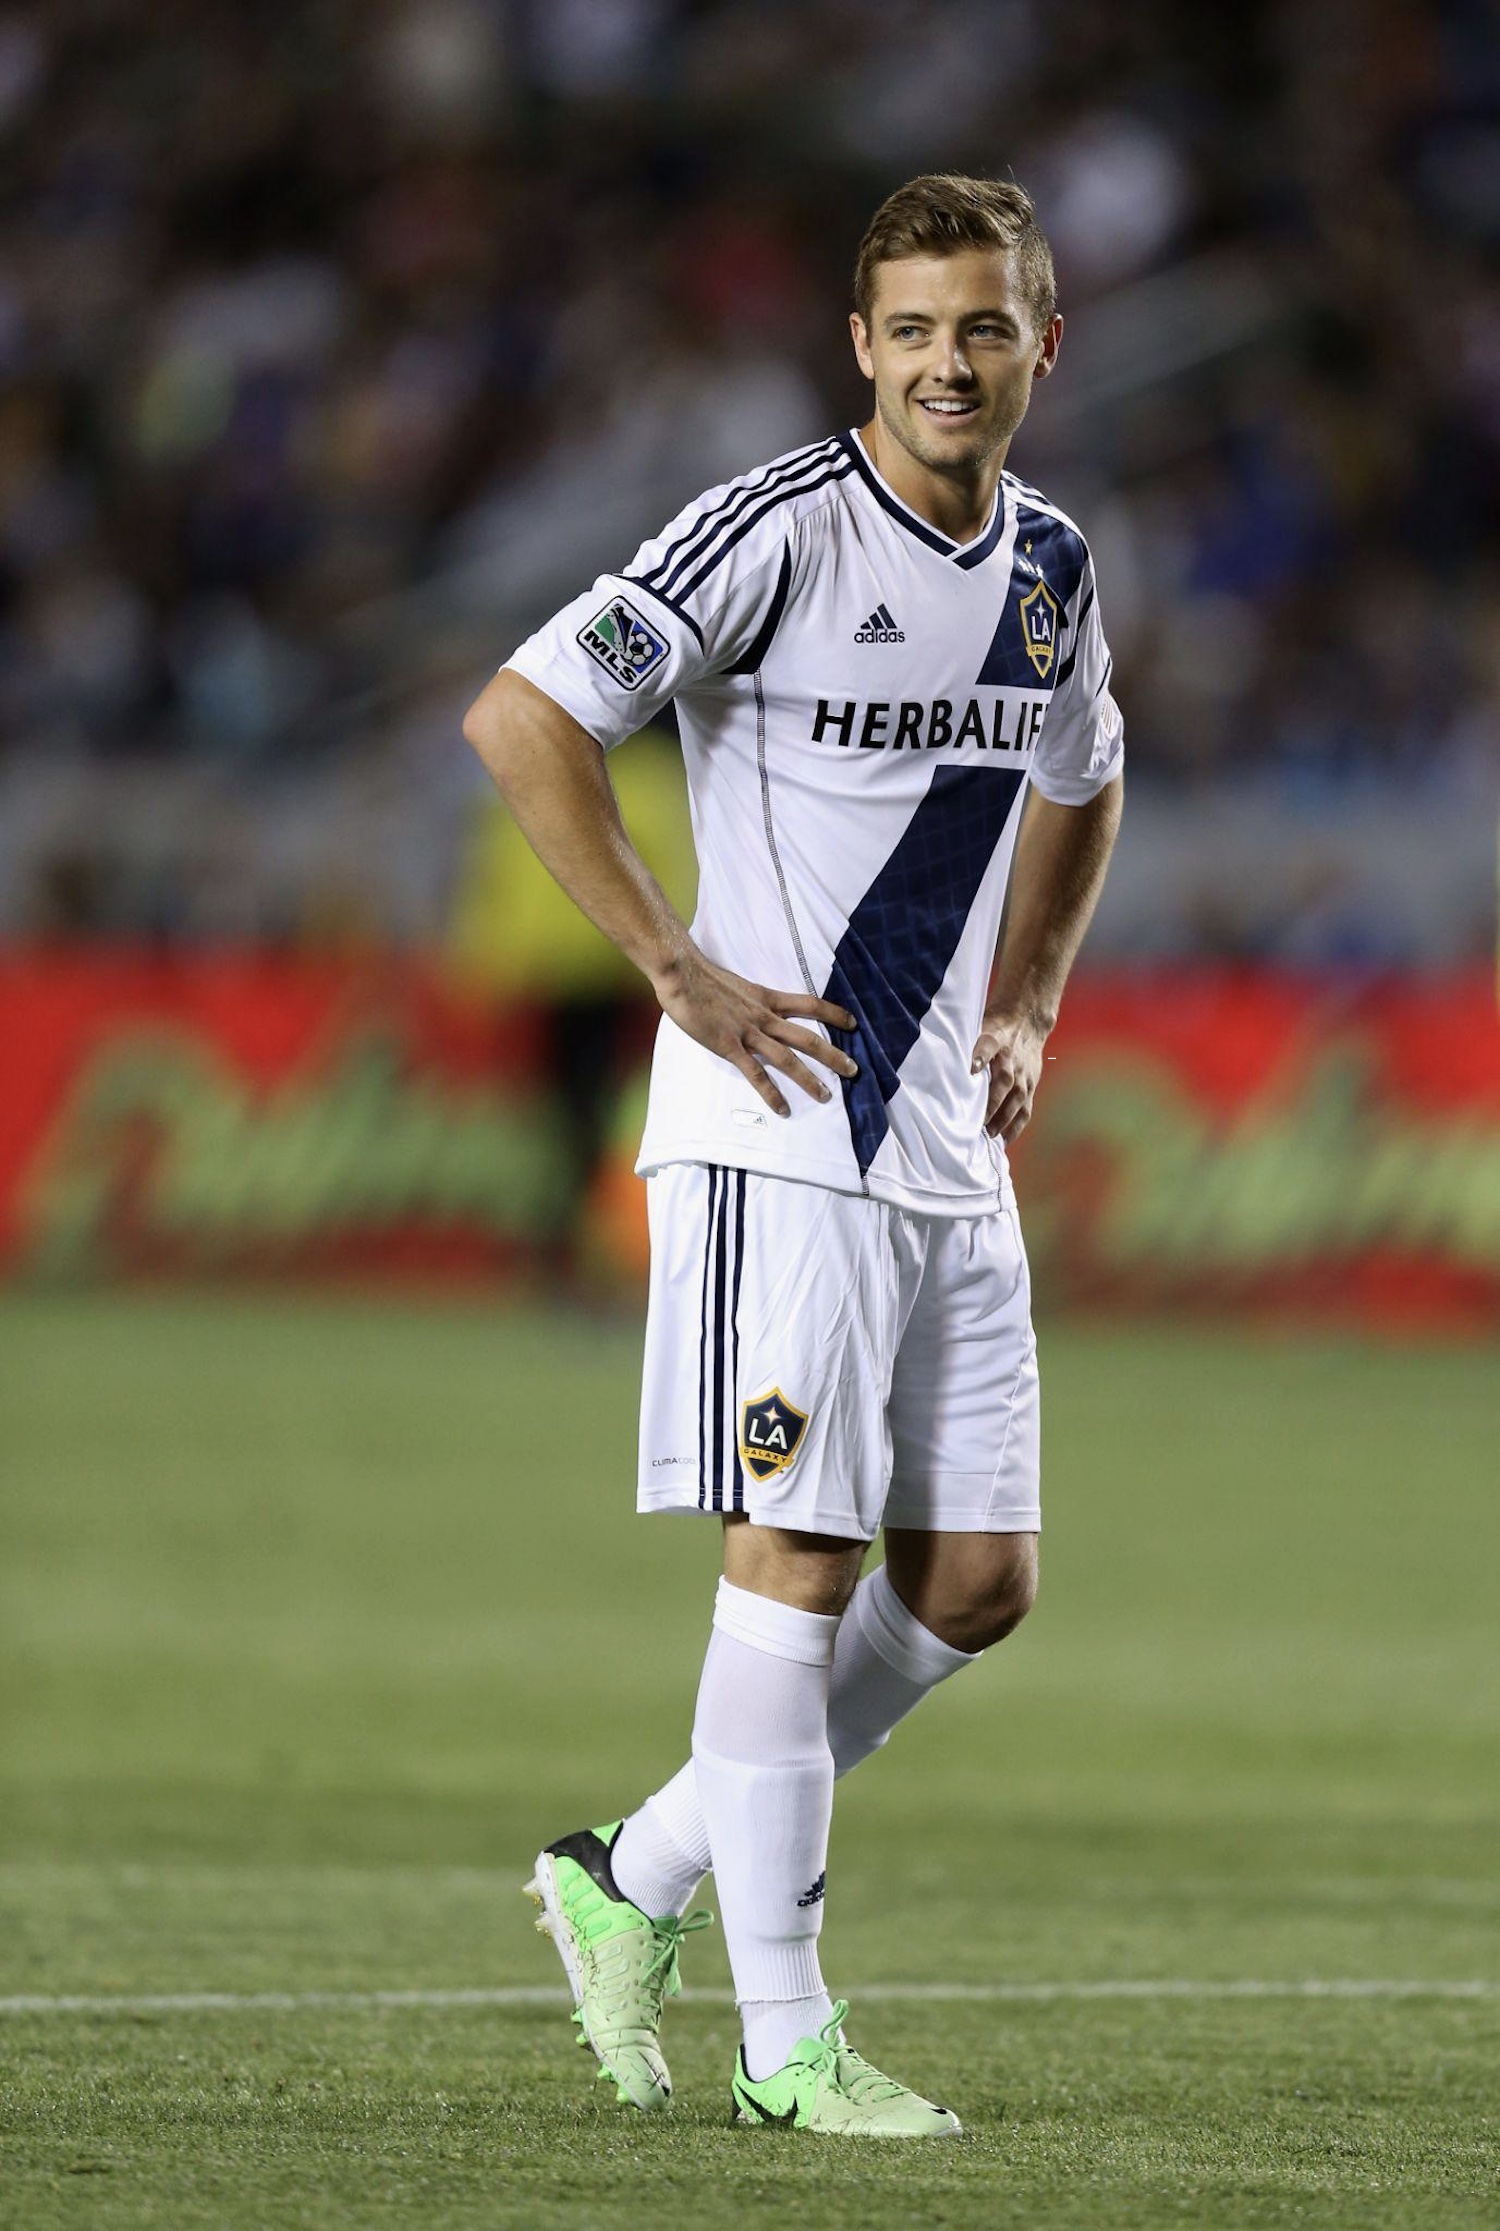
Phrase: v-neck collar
{"type": "Point", "coordinates": [965, 554]}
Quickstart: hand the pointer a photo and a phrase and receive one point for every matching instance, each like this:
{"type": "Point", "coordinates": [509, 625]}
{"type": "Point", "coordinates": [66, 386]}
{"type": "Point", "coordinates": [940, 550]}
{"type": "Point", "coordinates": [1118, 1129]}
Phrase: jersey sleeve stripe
{"type": "Point", "coordinates": [792, 482]}
{"type": "Point", "coordinates": [747, 483]}
{"type": "Point", "coordinates": [753, 519]}
{"type": "Point", "coordinates": [680, 611]}
{"type": "Point", "coordinates": [742, 491]}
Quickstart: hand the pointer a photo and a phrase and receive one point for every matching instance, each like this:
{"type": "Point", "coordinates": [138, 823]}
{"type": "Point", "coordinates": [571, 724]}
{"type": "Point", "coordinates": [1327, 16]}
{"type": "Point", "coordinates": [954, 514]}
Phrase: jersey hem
{"type": "Point", "coordinates": [834, 1178]}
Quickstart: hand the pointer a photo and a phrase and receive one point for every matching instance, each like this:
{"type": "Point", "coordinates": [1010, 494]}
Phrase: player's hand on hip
{"type": "Point", "coordinates": [1010, 1047]}
{"type": "Point", "coordinates": [755, 1029]}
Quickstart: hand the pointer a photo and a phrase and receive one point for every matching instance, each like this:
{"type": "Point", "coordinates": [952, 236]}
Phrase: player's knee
{"type": "Point", "coordinates": [995, 1609]}
{"type": "Point", "coordinates": [812, 1572]}
{"type": "Point", "coordinates": [1016, 1598]}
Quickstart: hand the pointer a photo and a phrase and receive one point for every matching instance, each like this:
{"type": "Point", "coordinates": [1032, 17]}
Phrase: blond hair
{"type": "Point", "coordinates": [941, 213]}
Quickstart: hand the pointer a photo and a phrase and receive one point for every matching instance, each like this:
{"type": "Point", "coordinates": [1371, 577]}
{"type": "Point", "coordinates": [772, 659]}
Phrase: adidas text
{"type": "Point", "coordinates": [880, 627]}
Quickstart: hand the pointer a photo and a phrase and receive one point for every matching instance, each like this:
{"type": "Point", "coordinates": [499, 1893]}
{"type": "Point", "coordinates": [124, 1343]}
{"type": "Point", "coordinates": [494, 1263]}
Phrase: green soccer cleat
{"type": "Point", "coordinates": [621, 1964]}
{"type": "Point", "coordinates": [825, 2086]}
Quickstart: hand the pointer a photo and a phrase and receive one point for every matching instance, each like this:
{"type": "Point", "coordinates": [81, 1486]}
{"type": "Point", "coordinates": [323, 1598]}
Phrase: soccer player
{"type": "Point", "coordinates": [893, 695]}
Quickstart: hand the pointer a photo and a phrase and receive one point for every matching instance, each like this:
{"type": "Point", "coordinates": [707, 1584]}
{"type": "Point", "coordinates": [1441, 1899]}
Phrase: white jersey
{"type": "Point", "coordinates": [861, 702]}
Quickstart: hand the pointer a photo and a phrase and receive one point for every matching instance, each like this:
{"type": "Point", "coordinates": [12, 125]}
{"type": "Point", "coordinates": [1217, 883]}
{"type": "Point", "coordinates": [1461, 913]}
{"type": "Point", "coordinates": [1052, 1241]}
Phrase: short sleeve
{"type": "Point", "coordinates": [1082, 744]}
{"type": "Point", "coordinates": [614, 656]}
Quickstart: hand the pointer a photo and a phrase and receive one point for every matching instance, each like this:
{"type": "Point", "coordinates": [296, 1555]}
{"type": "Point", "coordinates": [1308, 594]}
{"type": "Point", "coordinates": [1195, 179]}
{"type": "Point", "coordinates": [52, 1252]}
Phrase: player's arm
{"type": "Point", "coordinates": [1061, 855]}
{"type": "Point", "coordinates": [552, 776]}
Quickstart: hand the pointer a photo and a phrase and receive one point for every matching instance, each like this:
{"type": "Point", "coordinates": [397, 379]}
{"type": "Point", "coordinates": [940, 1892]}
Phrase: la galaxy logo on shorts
{"type": "Point", "coordinates": [771, 1430]}
{"type": "Point", "coordinates": [622, 643]}
{"type": "Point", "coordinates": [1038, 610]}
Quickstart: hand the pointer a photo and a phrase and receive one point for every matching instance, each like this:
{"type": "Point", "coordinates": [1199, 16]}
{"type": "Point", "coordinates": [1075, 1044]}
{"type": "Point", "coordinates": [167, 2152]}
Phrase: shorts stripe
{"type": "Point", "coordinates": [720, 1266]}
{"type": "Point", "coordinates": [708, 1253]}
{"type": "Point", "coordinates": [737, 1497]}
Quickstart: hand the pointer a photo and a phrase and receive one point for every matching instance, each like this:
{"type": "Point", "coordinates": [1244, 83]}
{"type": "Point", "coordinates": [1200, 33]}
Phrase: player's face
{"type": "Point", "coordinates": [952, 350]}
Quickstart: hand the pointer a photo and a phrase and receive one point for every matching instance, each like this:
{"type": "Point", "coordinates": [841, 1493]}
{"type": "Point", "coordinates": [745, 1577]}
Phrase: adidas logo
{"type": "Point", "coordinates": [879, 628]}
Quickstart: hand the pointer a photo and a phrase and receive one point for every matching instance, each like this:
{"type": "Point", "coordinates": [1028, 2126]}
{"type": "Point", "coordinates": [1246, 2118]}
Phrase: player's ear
{"type": "Point", "coordinates": [1051, 342]}
{"type": "Point", "coordinates": [861, 345]}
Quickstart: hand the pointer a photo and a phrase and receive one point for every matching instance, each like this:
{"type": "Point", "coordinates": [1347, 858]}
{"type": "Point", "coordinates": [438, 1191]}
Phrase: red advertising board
{"type": "Point", "coordinates": [1203, 1138]}
{"type": "Point", "coordinates": [1216, 1137]}
{"type": "Point", "coordinates": [234, 1112]}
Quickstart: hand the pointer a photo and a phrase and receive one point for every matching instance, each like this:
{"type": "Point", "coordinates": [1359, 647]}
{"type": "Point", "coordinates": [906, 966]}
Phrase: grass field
{"type": "Point", "coordinates": [316, 1620]}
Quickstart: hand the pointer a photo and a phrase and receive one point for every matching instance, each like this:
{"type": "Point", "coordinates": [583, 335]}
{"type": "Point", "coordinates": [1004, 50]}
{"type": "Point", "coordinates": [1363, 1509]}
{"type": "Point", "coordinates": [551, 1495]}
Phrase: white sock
{"type": "Point", "coordinates": [764, 1774]}
{"type": "Point", "coordinates": [774, 2028]}
{"type": "Point", "coordinates": [661, 1854]}
{"type": "Point", "coordinates": [884, 1662]}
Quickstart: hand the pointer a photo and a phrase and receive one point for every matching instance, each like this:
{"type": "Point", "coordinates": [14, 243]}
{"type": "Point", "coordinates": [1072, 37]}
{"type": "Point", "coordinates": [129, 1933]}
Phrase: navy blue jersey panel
{"type": "Point", "coordinates": [753, 659]}
{"type": "Point", "coordinates": [1047, 551]}
{"type": "Point", "coordinates": [903, 934]}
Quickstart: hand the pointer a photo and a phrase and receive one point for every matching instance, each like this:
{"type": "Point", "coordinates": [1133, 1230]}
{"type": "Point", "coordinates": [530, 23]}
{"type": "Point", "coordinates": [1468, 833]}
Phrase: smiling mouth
{"type": "Point", "coordinates": [948, 407]}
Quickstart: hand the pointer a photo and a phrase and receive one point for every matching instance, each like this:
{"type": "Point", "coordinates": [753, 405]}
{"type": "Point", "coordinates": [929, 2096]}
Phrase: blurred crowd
{"type": "Point", "coordinates": [339, 342]}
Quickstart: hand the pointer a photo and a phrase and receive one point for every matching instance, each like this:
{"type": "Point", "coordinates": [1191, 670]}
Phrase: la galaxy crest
{"type": "Point", "coordinates": [771, 1430]}
{"type": "Point", "coordinates": [1039, 617]}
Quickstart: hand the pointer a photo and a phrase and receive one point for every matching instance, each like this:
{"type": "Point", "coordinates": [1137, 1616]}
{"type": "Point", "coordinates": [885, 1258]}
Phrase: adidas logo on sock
{"type": "Point", "coordinates": [879, 628]}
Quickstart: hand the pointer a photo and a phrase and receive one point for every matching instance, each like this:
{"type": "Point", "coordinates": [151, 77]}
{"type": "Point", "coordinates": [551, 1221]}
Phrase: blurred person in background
{"type": "Point", "coordinates": [882, 647]}
{"type": "Point", "coordinates": [325, 333]}
{"type": "Point", "coordinates": [516, 937]}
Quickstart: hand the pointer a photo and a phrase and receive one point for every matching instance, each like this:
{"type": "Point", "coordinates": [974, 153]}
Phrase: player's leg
{"type": "Point", "coordinates": [960, 1534]}
{"type": "Point", "coordinates": [966, 1439]}
{"type": "Point", "coordinates": [963, 1517]}
{"type": "Point", "coordinates": [800, 1327]}
{"type": "Point", "coordinates": [764, 1772]}
{"type": "Point", "coordinates": [805, 1292]}
{"type": "Point", "coordinates": [936, 1604]}
{"type": "Point", "coordinates": [764, 1775]}
{"type": "Point", "coordinates": [764, 1376]}
{"type": "Point", "coordinates": [885, 1661]}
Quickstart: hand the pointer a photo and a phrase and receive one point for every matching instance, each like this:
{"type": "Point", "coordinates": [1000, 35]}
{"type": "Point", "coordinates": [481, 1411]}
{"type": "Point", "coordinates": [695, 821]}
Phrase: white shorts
{"type": "Point", "coordinates": [834, 1364]}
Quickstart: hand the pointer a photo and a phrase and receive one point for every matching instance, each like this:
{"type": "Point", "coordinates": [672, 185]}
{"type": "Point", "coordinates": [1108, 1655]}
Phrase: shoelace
{"type": "Point", "coordinates": [616, 1957]}
{"type": "Point", "coordinates": [850, 2070]}
{"type": "Point", "coordinates": [669, 1932]}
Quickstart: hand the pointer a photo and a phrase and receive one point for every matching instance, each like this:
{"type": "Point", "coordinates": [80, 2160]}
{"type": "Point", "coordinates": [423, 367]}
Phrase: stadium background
{"type": "Point", "coordinates": [337, 346]}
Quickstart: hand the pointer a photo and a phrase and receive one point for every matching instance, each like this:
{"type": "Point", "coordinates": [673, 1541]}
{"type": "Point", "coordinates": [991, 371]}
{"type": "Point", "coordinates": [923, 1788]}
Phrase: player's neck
{"type": "Point", "coordinates": [957, 504]}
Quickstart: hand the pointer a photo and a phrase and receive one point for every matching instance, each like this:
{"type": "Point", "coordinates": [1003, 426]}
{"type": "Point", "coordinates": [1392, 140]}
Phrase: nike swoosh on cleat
{"type": "Point", "coordinates": [777, 2122]}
